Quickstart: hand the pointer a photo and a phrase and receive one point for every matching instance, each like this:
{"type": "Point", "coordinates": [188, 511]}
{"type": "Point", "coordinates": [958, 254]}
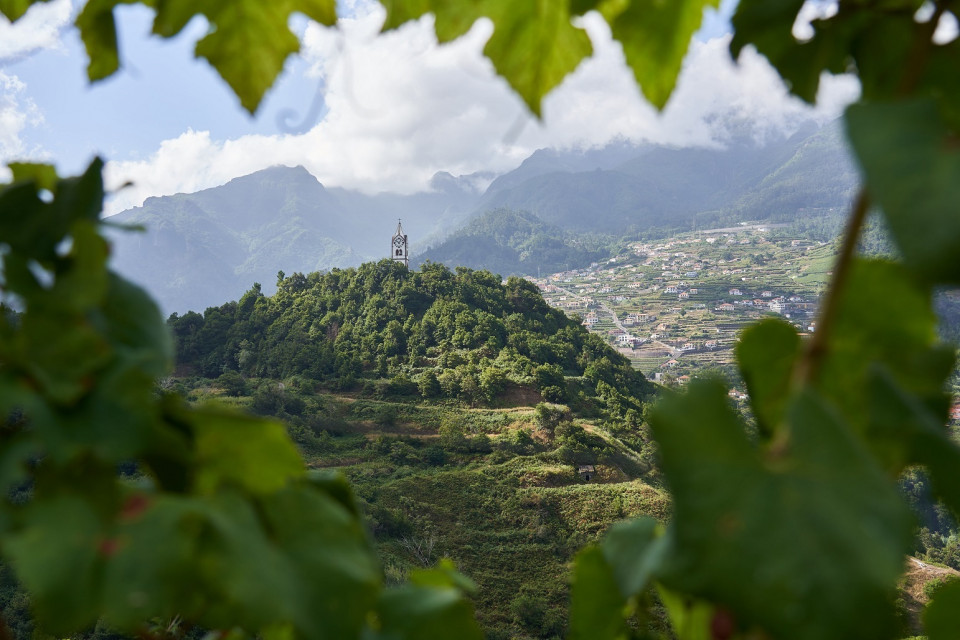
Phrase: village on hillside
{"type": "Point", "coordinates": [675, 307]}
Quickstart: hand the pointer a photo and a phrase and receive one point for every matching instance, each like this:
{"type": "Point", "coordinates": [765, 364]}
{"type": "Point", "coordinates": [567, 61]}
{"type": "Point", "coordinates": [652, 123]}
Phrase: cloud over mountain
{"type": "Point", "coordinates": [398, 107]}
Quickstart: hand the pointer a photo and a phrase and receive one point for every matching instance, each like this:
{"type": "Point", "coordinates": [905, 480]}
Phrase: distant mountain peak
{"type": "Point", "coordinates": [472, 184]}
{"type": "Point", "coordinates": [280, 174]}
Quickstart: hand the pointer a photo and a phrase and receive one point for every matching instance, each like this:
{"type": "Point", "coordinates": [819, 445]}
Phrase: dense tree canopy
{"type": "Point", "coordinates": [441, 327]}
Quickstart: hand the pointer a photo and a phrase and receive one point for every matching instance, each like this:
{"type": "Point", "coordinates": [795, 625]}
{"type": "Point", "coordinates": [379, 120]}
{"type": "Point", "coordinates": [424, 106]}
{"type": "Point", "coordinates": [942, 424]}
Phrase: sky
{"type": "Point", "coordinates": [359, 109]}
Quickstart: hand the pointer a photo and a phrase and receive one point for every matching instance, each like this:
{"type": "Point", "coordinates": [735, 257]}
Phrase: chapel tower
{"type": "Point", "coordinates": [399, 250]}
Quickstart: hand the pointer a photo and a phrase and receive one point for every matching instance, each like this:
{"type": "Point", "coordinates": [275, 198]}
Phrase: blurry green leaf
{"type": "Point", "coordinates": [278, 632]}
{"type": "Point", "coordinates": [133, 321]}
{"type": "Point", "coordinates": [445, 574]}
{"type": "Point", "coordinates": [941, 80]}
{"type": "Point", "coordinates": [22, 227]}
{"type": "Point", "coordinates": [320, 537]}
{"type": "Point", "coordinates": [690, 619]}
{"type": "Point", "coordinates": [248, 452]}
{"type": "Point", "coordinates": [79, 198]}
{"type": "Point", "coordinates": [14, 9]}
{"type": "Point", "coordinates": [58, 555]}
{"type": "Point", "coordinates": [251, 582]}
{"type": "Point", "coordinates": [941, 617]}
{"type": "Point", "coordinates": [814, 523]}
{"type": "Point", "coordinates": [99, 34]}
{"type": "Point", "coordinates": [61, 354]}
{"type": "Point", "coordinates": [534, 44]}
{"type": "Point", "coordinates": [335, 485]}
{"type": "Point", "coordinates": [636, 550]}
{"type": "Point", "coordinates": [452, 19]}
{"type": "Point", "coordinates": [425, 613]}
{"type": "Point", "coordinates": [248, 47]}
{"type": "Point", "coordinates": [917, 186]}
{"type": "Point", "coordinates": [81, 281]}
{"type": "Point", "coordinates": [914, 435]}
{"type": "Point", "coordinates": [157, 553]}
{"type": "Point", "coordinates": [655, 35]}
{"type": "Point", "coordinates": [248, 41]}
{"type": "Point", "coordinates": [766, 355]}
{"type": "Point", "coordinates": [596, 603]}
{"type": "Point", "coordinates": [884, 317]}
{"type": "Point", "coordinates": [43, 175]}
{"type": "Point", "coordinates": [767, 25]}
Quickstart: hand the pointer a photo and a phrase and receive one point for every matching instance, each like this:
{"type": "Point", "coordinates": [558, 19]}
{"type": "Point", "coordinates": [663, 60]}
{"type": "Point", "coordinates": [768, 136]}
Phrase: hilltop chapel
{"type": "Point", "coordinates": [399, 250]}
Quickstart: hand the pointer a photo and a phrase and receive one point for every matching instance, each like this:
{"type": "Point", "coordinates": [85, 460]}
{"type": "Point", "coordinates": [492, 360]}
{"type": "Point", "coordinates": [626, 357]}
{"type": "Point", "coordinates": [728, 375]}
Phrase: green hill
{"type": "Point", "coordinates": [461, 409]}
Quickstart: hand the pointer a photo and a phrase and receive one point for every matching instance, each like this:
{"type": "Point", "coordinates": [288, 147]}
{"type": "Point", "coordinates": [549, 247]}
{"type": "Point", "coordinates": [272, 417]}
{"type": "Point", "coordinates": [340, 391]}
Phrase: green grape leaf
{"type": "Point", "coordinates": [596, 602]}
{"type": "Point", "coordinates": [918, 186]}
{"type": "Point", "coordinates": [43, 175]}
{"type": "Point", "coordinates": [768, 26]}
{"type": "Point", "coordinates": [941, 617]}
{"type": "Point", "coordinates": [413, 612]}
{"type": "Point", "coordinates": [813, 521]}
{"type": "Point", "coordinates": [884, 318]}
{"type": "Point", "coordinates": [580, 7]}
{"type": "Point", "coordinates": [22, 227]}
{"type": "Point", "coordinates": [655, 36]}
{"type": "Point", "coordinates": [61, 354]}
{"type": "Point", "coordinates": [690, 619]}
{"type": "Point", "coordinates": [913, 434]}
{"type": "Point", "coordinates": [82, 283]}
{"type": "Point", "coordinates": [766, 354]}
{"type": "Point", "coordinates": [636, 550]}
{"type": "Point", "coordinates": [534, 44]}
{"type": "Point", "coordinates": [157, 550]}
{"type": "Point", "coordinates": [133, 321]}
{"type": "Point", "coordinates": [248, 48]}
{"type": "Point", "coordinates": [58, 556]}
{"type": "Point", "coordinates": [98, 30]}
{"type": "Point", "coordinates": [335, 485]}
{"type": "Point", "coordinates": [445, 574]}
{"type": "Point", "coordinates": [249, 40]}
{"type": "Point", "coordinates": [251, 582]}
{"type": "Point", "coordinates": [941, 80]}
{"type": "Point", "coordinates": [606, 577]}
{"type": "Point", "coordinates": [34, 229]}
{"type": "Point", "coordinates": [452, 19]}
{"type": "Point", "coordinates": [14, 9]}
{"type": "Point", "coordinates": [320, 537]}
{"type": "Point", "coordinates": [244, 451]}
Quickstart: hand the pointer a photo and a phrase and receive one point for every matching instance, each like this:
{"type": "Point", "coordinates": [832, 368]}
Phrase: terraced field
{"type": "Point", "coordinates": [676, 307]}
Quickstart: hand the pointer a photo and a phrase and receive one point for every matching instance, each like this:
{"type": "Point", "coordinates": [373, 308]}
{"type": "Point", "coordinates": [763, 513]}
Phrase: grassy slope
{"type": "Point", "coordinates": [511, 518]}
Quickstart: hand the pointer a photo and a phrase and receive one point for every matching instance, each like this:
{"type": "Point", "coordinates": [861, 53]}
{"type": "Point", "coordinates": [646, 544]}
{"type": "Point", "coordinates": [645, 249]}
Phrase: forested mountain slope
{"type": "Point", "coordinates": [677, 187]}
{"type": "Point", "coordinates": [204, 248]}
{"type": "Point", "coordinates": [516, 242]}
{"type": "Point", "coordinates": [458, 334]}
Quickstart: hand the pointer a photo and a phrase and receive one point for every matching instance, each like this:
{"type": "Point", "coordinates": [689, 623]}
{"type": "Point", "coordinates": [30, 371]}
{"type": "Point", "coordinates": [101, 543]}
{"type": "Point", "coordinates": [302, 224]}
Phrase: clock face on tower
{"type": "Point", "coordinates": [398, 242]}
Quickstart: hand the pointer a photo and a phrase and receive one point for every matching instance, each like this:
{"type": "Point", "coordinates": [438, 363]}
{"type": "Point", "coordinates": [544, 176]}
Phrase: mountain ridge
{"type": "Point", "coordinates": [209, 246]}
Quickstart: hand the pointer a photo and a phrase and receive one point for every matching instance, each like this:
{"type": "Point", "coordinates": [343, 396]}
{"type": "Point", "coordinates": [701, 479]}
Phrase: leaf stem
{"type": "Point", "coordinates": [808, 368]}
{"type": "Point", "coordinates": [809, 365]}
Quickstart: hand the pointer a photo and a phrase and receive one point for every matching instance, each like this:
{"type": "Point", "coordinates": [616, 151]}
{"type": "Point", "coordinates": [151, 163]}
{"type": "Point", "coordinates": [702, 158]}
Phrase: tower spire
{"type": "Point", "coordinates": [399, 250]}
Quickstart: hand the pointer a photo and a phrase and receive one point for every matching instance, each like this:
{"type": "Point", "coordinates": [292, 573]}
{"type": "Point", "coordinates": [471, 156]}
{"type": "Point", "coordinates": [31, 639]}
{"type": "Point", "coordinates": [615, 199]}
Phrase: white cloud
{"type": "Point", "coordinates": [39, 28]}
{"type": "Point", "coordinates": [17, 112]}
{"type": "Point", "coordinates": [400, 108]}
